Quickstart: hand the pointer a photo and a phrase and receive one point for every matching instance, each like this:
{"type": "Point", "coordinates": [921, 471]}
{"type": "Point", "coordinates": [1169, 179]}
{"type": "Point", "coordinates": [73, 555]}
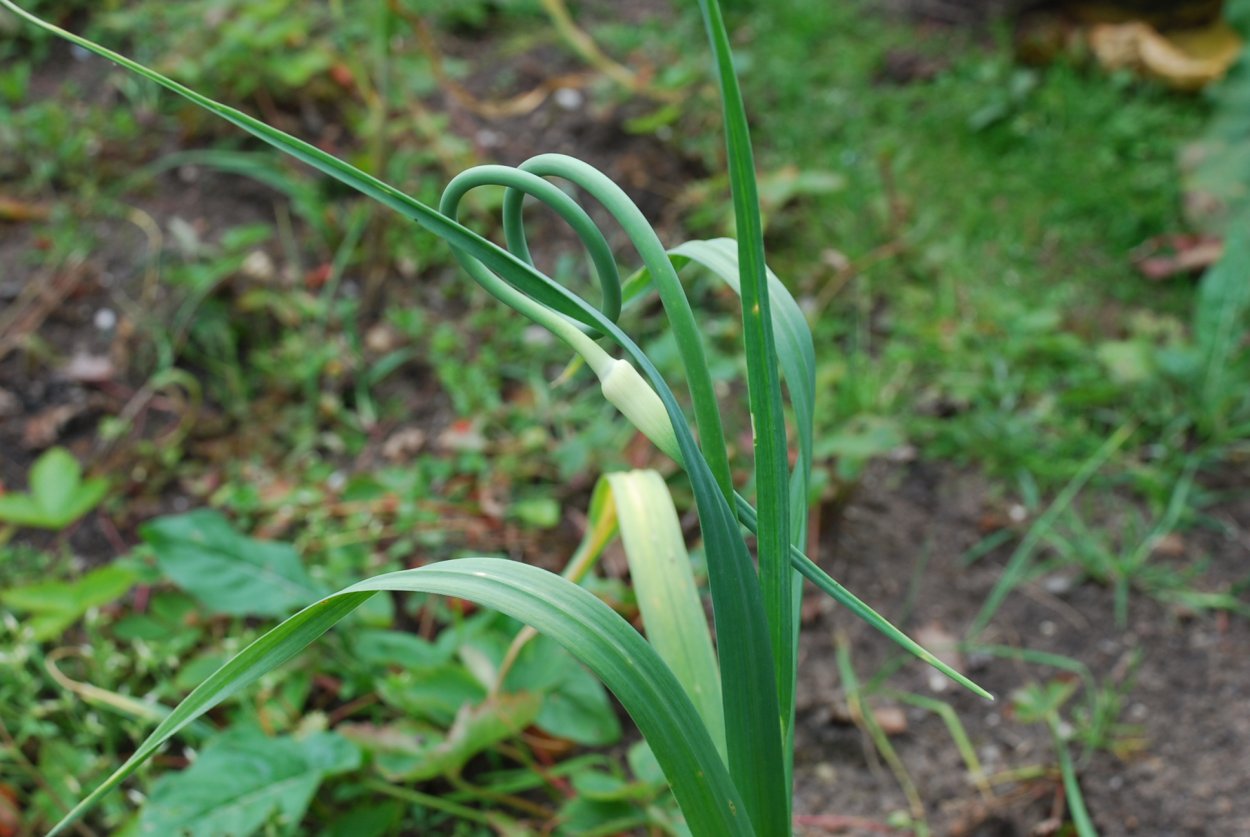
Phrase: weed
{"type": "Point", "coordinates": [1041, 704]}
{"type": "Point", "coordinates": [58, 495]}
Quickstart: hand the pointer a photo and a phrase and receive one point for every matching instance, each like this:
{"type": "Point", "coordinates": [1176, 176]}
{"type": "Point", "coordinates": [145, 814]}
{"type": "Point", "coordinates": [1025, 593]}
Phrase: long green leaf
{"type": "Point", "coordinates": [588, 628]}
{"type": "Point", "coordinates": [796, 354]}
{"type": "Point", "coordinates": [764, 390]}
{"type": "Point", "coordinates": [830, 586]}
{"type": "Point", "coordinates": [659, 569]}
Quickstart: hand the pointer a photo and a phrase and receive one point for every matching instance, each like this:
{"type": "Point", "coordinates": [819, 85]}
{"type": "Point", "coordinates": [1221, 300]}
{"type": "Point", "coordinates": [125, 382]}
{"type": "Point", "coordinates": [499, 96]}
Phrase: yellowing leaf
{"type": "Point", "coordinates": [1186, 59]}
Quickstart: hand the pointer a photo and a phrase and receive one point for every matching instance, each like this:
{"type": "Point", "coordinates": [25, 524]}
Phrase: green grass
{"type": "Point", "coordinates": [988, 213]}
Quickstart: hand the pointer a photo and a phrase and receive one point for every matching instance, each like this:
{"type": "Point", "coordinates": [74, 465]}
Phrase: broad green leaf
{"type": "Point", "coordinates": [575, 705]}
{"type": "Point", "coordinates": [859, 440]}
{"type": "Point", "coordinates": [375, 647]}
{"type": "Point", "coordinates": [244, 781]}
{"type": "Point", "coordinates": [643, 764]}
{"type": "Point", "coordinates": [539, 512]}
{"type": "Point", "coordinates": [58, 494]}
{"type": "Point", "coordinates": [411, 754]}
{"type": "Point", "coordinates": [587, 627]}
{"type": "Point", "coordinates": [53, 479]}
{"type": "Point", "coordinates": [369, 819]}
{"type": "Point", "coordinates": [605, 786]}
{"type": "Point", "coordinates": [167, 625]}
{"type": "Point", "coordinates": [21, 510]}
{"type": "Point", "coordinates": [435, 693]}
{"type": "Point", "coordinates": [227, 571]}
{"type": "Point", "coordinates": [578, 709]}
{"type": "Point", "coordinates": [53, 606]}
{"type": "Point", "coordinates": [583, 815]}
{"type": "Point", "coordinates": [64, 768]}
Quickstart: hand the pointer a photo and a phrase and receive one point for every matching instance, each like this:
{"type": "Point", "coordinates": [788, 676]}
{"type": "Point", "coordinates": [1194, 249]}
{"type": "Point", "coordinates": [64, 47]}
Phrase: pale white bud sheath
{"type": "Point", "coordinates": [622, 385]}
{"type": "Point", "coordinates": [630, 393]}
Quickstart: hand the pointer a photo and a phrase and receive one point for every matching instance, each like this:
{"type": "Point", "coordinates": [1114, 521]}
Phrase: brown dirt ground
{"type": "Point", "coordinates": [903, 535]}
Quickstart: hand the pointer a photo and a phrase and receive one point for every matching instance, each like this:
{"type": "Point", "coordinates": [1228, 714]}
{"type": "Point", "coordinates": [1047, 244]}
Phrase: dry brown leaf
{"type": "Point", "coordinates": [1170, 545]}
{"type": "Point", "coordinates": [89, 369]}
{"type": "Point", "coordinates": [43, 428]}
{"type": "Point", "coordinates": [1186, 59]}
{"type": "Point", "coordinates": [403, 444]}
{"type": "Point", "coordinates": [10, 813]}
{"type": "Point", "coordinates": [9, 404]}
{"type": "Point", "coordinates": [16, 212]}
{"type": "Point", "coordinates": [1165, 256]}
{"type": "Point", "coordinates": [891, 719]}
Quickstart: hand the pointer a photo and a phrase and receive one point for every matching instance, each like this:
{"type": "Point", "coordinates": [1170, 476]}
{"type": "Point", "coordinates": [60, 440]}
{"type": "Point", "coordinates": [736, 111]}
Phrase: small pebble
{"type": "Point", "coordinates": [105, 319]}
{"type": "Point", "coordinates": [568, 98]}
{"type": "Point", "coordinates": [258, 267]}
{"type": "Point", "coordinates": [1057, 585]}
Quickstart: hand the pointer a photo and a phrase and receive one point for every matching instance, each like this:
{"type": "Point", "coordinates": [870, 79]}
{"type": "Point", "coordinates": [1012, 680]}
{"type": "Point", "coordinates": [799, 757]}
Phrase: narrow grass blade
{"type": "Point", "coordinates": [867, 722]}
{"type": "Point", "coordinates": [958, 734]}
{"type": "Point", "coordinates": [659, 569]}
{"type": "Point", "coordinates": [1071, 785]}
{"type": "Point", "coordinates": [588, 628]}
{"type": "Point", "coordinates": [1018, 563]}
{"type": "Point", "coordinates": [764, 390]}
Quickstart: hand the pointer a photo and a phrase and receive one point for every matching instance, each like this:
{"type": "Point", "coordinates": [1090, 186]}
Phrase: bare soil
{"type": "Point", "coordinates": [899, 546]}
